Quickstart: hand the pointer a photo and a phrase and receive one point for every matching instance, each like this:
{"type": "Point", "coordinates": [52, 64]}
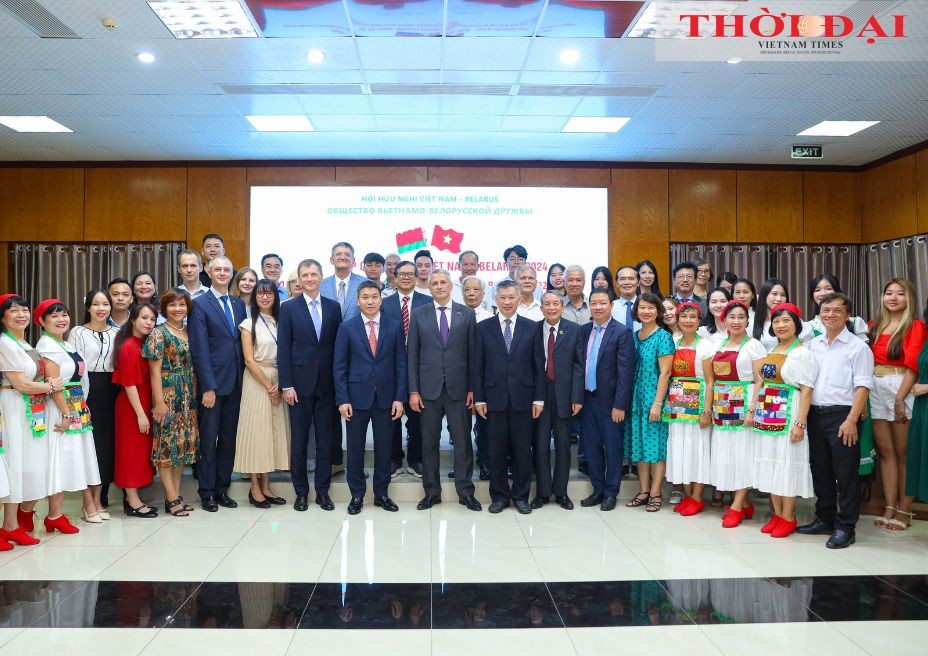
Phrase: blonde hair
{"type": "Point", "coordinates": [909, 316]}
{"type": "Point", "coordinates": [233, 288]}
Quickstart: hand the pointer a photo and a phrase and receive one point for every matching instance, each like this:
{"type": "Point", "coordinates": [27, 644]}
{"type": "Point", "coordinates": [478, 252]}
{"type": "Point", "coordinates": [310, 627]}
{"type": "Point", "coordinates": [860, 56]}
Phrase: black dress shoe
{"type": "Point", "coordinates": [451, 473]}
{"type": "Point", "coordinates": [226, 501]}
{"type": "Point", "coordinates": [484, 472]}
{"type": "Point", "coordinates": [386, 503]}
{"type": "Point", "coordinates": [264, 504]}
{"type": "Point", "coordinates": [523, 507]}
{"type": "Point", "coordinates": [301, 503]}
{"type": "Point", "coordinates": [841, 539]}
{"type": "Point", "coordinates": [354, 507]}
{"type": "Point", "coordinates": [209, 504]}
{"type": "Point", "coordinates": [471, 503]}
{"type": "Point", "coordinates": [593, 500]}
{"type": "Point", "coordinates": [324, 501]}
{"type": "Point", "coordinates": [816, 527]}
{"type": "Point", "coordinates": [607, 504]}
{"type": "Point", "coordinates": [428, 501]}
{"type": "Point", "coordinates": [538, 502]}
{"type": "Point", "coordinates": [275, 501]}
{"type": "Point", "coordinates": [565, 502]}
{"type": "Point", "coordinates": [498, 506]}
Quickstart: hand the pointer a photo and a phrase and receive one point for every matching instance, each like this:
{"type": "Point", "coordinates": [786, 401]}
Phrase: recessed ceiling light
{"type": "Point", "coordinates": [569, 56]}
{"type": "Point", "coordinates": [285, 123]}
{"type": "Point", "coordinates": [836, 128]}
{"type": "Point", "coordinates": [33, 124]}
{"type": "Point", "coordinates": [145, 57]}
{"type": "Point", "coordinates": [595, 124]}
{"type": "Point", "coordinates": [315, 56]}
{"type": "Point", "coordinates": [734, 60]}
{"type": "Point", "coordinates": [204, 19]}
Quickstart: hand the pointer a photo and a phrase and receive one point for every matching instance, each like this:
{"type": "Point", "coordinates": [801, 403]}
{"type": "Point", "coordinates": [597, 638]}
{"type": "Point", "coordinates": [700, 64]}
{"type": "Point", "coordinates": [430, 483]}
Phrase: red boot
{"type": "Point", "coordinates": [772, 524]}
{"type": "Point", "coordinates": [26, 519]}
{"type": "Point", "coordinates": [748, 511]}
{"type": "Point", "coordinates": [19, 536]}
{"type": "Point", "coordinates": [784, 528]}
{"type": "Point", "coordinates": [4, 545]}
{"type": "Point", "coordinates": [60, 524]}
{"type": "Point", "coordinates": [695, 507]}
{"type": "Point", "coordinates": [732, 518]}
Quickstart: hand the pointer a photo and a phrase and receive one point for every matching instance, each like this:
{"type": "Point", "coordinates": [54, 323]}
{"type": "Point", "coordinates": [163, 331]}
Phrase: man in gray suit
{"type": "Point", "coordinates": [441, 350]}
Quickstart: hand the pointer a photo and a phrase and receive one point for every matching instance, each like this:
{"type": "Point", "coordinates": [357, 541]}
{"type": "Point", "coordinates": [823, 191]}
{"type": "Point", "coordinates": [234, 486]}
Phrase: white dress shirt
{"type": "Point", "coordinates": [482, 313]}
{"type": "Point", "coordinates": [619, 309]}
{"type": "Point", "coordinates": [843, 366]}
{"type": "Point", "coordinates": [531, 311]}
{"type": "Point", "coordinates": [438, 313]}
{"type": "Point", "coordinates": [309, 305]}
{"type": "Point", "coordinates": [367, 329]}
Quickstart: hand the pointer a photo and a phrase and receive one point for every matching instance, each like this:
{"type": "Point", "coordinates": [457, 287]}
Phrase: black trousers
{"type": "Point", "coordinates": [218, 428]}
{"type": "Point", "coordinates": [834, 469]}
{"type": "Point", "coordinates": [458, 417]}
{"type": "Point", "coordinates": [510, 434]}
{"type": "Point", "coordinates": [313, 410]}
{"type": "Point", "coordinates": [357, 441]}
{"type": "Point", "coordinates": [414, 443]}
{"type": "Point", "coordinates": [548, 421]}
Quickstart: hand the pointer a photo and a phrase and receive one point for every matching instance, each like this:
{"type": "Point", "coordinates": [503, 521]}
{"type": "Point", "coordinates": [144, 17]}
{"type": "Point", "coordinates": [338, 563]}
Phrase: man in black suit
{"type": "Point", "coordinates": [509, 392]}
{"type": "Point", "coordinates": [306, 334]}
{"type": "Point", "coordinates": [609, 373]}
{"type": "Point", "coordinates": [441, 350]}
{"type": "Point", "coordinates": [559, 340]}
{"type": "Point", "coordinates": [216, 350]}
{"type": "Point", "coordinates": [399, 306]}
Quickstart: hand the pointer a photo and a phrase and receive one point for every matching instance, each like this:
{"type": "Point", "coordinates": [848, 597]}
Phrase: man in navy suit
{"type": "Point", "coordinates": [509, 392]}
{"type": "Point", "coordinates": [609, 372]}
{"type": "Point", "coordinates": [559, 340]}
{"type": "Point", "coordinates": [399, 306]}
{"type": "Point", "coordinates": [216, 350]}
{"type": "Point", "coordinates": [306, 334]}
{"type": "Point", "coordinates": [370, 385]}
{"type": "Point", "coordinates": [342, 287]}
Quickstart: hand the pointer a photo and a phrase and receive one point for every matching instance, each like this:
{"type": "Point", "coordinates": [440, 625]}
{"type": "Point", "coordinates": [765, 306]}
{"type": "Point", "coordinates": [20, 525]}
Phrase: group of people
{"type": "Point", "coordinates": [244, 371]}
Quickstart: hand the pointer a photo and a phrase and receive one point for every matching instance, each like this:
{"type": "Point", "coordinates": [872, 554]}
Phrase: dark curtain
{"type": "Point", "coordinates": [69, 271]}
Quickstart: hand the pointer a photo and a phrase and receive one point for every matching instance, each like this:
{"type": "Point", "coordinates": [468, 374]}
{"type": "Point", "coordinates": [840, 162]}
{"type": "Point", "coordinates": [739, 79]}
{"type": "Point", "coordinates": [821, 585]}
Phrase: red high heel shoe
{"type": "Point", "coordinates": [60, 524]}
{"type": "Point", "coordinates": [694, 508]}
{"type": "Point", "coordinates": [772, 524]}
{"type": "Point", "coordinates": [26, 519]}
{"type": "Point", "coordinates": [784, 528]}
{"type": "Point", "coordinates": [19, 536]}
{"type": "Point", "coordinates": [4, 545]}
{"type": "Point", "coordinates": [748, 511]}
{"type": "Point", "coordinates": [683, 505]}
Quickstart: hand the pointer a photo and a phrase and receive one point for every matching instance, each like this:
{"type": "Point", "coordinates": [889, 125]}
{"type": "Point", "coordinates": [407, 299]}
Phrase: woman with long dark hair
{"type": "Point", "coordinates": [602, 279]}
{"type": "Point", "coordinates": [772, 293]}
{"type": "Point", "coordinates": [647, 278]}
{"type": "Point", "coordinates": [825, 283]}
{"type": "Point", "coordinates": [95, 341]}
{"type": "Point", "coordinates": [727, 280]}
{"type": "Point", "coordinates": [556, 279]}
{"type": "Point", "coordinates": [713, 325]}
{"type": "Point", "coordinates": [263, 443]}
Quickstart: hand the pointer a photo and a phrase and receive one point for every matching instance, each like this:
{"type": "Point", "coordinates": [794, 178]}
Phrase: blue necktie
{"type": "Point", "coordinates": [628, 316]}
{"type": "Point", "coordinates": [225, 306]}
{"type": "Point", "coordinates": [317, 320]}
{"type": "Point", "coordinates": [592, 359]}
{"type": "Point", "coordinates": [507, 334]}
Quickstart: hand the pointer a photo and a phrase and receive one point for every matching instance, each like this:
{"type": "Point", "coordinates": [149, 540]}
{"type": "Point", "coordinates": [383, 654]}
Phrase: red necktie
{"type": "Point", "coordinates": [405, 311]}
{"type": "Point", "coordinates": [549, 367]}
{"type": "Point", "coordinates": [372, 338]}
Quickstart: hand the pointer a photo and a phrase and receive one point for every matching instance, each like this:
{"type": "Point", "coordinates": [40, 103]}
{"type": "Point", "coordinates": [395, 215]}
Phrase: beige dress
{"type": "Point", "coordinates": [263, 441]}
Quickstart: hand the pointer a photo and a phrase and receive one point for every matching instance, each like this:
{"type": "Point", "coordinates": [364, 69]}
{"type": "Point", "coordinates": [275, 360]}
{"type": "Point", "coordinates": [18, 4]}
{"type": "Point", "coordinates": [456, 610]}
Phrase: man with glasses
{"type": "Point", "coordinates": [342, 287]}
{"type": "Point", "coordinates": [271, 267]}
{"type": "Point", "coordinates": [684, 281]}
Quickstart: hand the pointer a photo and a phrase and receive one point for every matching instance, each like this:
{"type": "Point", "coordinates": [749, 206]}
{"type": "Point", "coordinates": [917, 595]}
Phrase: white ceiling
{"type": "Point", "coordinates": [498, 100]}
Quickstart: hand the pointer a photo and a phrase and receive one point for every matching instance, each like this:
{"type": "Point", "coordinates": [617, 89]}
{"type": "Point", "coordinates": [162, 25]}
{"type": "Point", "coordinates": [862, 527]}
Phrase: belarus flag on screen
{"type": "Point", "coordinates": [447, 240]}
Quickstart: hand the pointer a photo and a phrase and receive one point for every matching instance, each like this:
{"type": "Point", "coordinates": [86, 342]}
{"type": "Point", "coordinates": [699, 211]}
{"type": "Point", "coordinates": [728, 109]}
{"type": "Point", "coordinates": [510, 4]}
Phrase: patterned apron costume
{"type": "Point", "coordinates": [772, 415]}
{"type": "Point", "coordinates": [729, 394]}
{"type": "Point", "coordinates": [686, 394]}
{"type": "Point", "coordinates": [35, 403]}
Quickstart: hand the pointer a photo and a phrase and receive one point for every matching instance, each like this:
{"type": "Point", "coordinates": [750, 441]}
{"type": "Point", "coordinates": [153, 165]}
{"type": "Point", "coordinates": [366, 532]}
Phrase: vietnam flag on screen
{"type": "Point", "coordinates": [447, 240]}
{"type": "Point", "coordinates": [411, 240]}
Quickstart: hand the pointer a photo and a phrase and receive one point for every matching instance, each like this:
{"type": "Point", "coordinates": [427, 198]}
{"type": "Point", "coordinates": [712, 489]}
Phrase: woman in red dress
{"type": "Point", "coordinates": [133, 468]}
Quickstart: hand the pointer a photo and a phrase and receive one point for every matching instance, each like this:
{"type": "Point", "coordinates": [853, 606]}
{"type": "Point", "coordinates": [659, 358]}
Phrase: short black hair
{"type": "Point", "coordinates": [403, 263]}
{"type": "Point", "coordinates": [423, 253]}
{"type": "Point", "coordinates": [212, 235]}
{"type": "Point", "coordinates": [368, 284]}
{"type": "Point", "coordinates": [518, 249]}
{"type": "Point", "coordinates": [599, 290]}
{"type": "Point", "coordinates": [683, 265]}
{"type": "Point", "coordinates": [374, 257]}
{"type": "Point", "coordinates": [505, 284]}
{"type": "Point", "coordinates": [118, 281]}
{"type": "Point", "coordinates": [270, 255]}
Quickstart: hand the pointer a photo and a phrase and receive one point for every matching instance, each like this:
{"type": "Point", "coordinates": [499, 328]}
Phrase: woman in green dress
{"type": "Point", "coordinates": [916, 466]}
{"type": "Point", "coordinates": [176, 437]}
{"type": "Point", "coordinates": [645, 433]}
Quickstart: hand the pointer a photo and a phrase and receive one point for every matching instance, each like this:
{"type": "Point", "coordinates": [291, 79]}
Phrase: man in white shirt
{"type": "Point", "coordinates": [389, 267]}
{"type": "Point", "coordinates": [529, 305]}
{"type": "Point", "coordinates": [188, 265]}
{"type": "Point", "coordinates": [626, 279]}
{"type": "Point", "coordinates": [839, 398]}
{"type": "Point", "coordinates": [474, 290]}
{"type": "Point", "coordinates": [468, 262]}
{"type": "Point", "coordinates": [424, 265]}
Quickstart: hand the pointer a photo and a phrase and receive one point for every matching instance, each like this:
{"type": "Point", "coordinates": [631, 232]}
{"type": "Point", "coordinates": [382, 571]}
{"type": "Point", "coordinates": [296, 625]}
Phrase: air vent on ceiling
{"type": "Point", "coordinates": [384, 89]}
{"type": "Point", "coordinates": [441, 89]}
{"type": "Point", "coordinates": [293, 89]}
{"type": "Point", "coordinates": [38, 19]}
{"type": "Point", "coordinates": [586, 90]}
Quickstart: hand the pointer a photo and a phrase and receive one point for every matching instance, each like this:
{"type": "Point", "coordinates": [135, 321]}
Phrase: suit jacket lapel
{"type": "Point", "coordinates": [308, 316]}
{"type": "Point", "coordinates": [559, 335]}
{"type": "Point", "coordinates": [217, 305]}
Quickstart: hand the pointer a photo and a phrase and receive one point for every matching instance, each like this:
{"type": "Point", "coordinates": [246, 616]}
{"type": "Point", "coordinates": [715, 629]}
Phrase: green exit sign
{"type": "Point", "coordinates": [806, 152]}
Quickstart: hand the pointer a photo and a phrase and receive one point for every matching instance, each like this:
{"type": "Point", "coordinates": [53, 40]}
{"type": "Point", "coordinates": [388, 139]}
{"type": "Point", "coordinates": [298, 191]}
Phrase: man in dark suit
{"type": "Point", "coordinates": [216, 350]}
{"type": "Point", "coordinates": [509, 392]}
{"type": "Point", "coordinates": [559, 340]}
{"type": "Point", "coordinates": [399, 306]}
{"type": "Point", "coordinates": [370, 384]}
{"type": "Point", "coordinates": [305, 351]}
{"type": "Point", "coordinates": [609, 373]}
{"type": "Point", "coordinates": [441, 350]}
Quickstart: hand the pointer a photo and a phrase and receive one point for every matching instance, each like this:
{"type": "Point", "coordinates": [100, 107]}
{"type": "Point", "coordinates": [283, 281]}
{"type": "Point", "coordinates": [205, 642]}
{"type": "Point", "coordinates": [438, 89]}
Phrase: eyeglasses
{"type": "Point", "coordinates": [272, 266]}
{"type": "Point", "coordinates": [515, 260]}
{"type": "Point", "coordinates": [265, 293]}
{"type": "Point", "coordinates": [405, 275]}
{"type": "Point", "coordinates": [685, 276]}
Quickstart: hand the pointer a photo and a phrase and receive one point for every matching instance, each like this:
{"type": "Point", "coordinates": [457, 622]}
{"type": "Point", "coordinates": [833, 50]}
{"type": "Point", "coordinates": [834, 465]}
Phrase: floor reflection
{"type": "Point", "coordinates": [244, 605]}
{"type": "Point", "coordinates": [369, 606]}
{"type": "Point", "coordinates": [493, 605]}
{"type": "Point", "coordinates": [865, 598]}
{"type": "Point", "coordinates": [616, 603]}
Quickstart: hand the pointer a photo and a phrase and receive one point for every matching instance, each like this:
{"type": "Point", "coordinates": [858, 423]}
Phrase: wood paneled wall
{"type": "Point", "coordinates": [648, 207]}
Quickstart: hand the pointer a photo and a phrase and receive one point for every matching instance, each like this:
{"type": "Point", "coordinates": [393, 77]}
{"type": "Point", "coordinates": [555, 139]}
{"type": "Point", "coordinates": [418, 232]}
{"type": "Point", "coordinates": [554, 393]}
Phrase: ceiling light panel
{"type": "Point", "coordinates": [595, 124]}
{"type": "Point", "coordinates": [281, 123]}
{"type": "Point", "coordinates": [205, 19]}
{"type": "Point", "coordinates": [836, 128]}
{"type": "Point", "coordinates": [32, 124]}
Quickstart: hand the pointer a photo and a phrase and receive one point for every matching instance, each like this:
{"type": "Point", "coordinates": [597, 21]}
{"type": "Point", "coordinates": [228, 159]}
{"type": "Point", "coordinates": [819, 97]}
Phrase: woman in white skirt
{"type": "Point", "coordinates": [784, 394]}
{"type": "Point", "coordinates": [23, 397]}
{"type": "Point", "coordinates": [730, 386]}
{"type": "Point", "coordinates": [72, 464]}
{"type": "Point", "coordinates": [688, 445]}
